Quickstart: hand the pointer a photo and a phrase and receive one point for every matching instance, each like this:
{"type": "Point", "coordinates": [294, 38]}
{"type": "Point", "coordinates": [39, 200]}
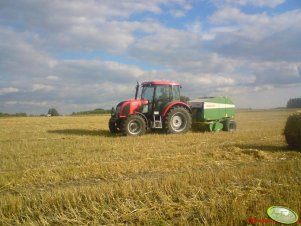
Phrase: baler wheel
{"type": "Point", "coordinates": [229, 125]}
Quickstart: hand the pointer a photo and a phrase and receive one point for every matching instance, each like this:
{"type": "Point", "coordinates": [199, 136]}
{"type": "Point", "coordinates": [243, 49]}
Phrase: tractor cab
{"type": "Point", "coordinates": [156, 106]}
{"type": "Point", "coordinates": [159, 95]}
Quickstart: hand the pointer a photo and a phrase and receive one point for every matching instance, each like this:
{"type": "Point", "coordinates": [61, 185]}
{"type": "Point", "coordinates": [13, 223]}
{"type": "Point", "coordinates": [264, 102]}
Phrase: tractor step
{"type": "Point", "coordinates": [157, 122]}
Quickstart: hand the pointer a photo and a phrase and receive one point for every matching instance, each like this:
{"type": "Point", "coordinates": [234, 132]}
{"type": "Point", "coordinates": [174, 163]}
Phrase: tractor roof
{"type": "Point", "coordinates": [157, 82]}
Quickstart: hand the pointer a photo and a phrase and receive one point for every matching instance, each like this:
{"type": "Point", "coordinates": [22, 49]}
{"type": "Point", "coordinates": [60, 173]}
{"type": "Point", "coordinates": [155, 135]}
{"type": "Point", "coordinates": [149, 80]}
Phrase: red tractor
{"type": "Point", "coordinates": [157, 107]}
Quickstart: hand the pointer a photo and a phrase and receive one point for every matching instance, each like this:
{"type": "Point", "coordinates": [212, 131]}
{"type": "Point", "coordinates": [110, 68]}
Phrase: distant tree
{"type": "Point", "coordinates": [53, 112]}
{"type": "Point", "coordinates": [294, 103]}
{"type": "Point", "coordinates": [184, 99]}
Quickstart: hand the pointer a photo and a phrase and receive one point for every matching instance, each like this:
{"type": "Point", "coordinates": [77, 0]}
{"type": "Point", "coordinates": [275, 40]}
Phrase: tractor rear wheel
{"type": "Point", "coordinates": [134, 125]}
{"type": "Point", "coordinates": [229, 125]}
{"type": "Point", "coordinates": [178, 120]}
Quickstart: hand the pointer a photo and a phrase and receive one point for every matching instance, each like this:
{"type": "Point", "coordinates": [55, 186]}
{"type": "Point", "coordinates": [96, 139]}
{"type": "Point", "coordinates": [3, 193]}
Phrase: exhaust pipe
{"type": "Point", "coordinates": [137, 90]}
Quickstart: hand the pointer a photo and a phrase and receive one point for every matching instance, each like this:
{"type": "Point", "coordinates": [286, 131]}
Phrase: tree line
{"type": "Point", "coordinates": [93, 112]}
{"type": "Point", "coordinates": [294, 103]}
{"type": "Point", "coordinates": [54, 112]}
{"type": "Point", "coordinates": [21, 114]}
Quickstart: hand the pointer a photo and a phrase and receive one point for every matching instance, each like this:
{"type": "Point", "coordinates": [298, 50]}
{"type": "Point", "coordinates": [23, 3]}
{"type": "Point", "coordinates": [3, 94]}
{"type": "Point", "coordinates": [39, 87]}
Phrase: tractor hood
{"type": "Point", "coordinates": [129, 107]}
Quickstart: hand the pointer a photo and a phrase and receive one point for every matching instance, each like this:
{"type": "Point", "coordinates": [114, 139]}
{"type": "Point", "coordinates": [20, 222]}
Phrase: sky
{"type": "Point", "coordinates": [85, 54]}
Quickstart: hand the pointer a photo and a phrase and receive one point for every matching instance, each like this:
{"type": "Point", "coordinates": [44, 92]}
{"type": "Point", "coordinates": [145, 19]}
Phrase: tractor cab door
{"type": "Point", "coordinates": [159, 96]}
{"type": "Point", "coordinates": [148, 94]}
{"type": "Point", "coordinates": [163, 94]}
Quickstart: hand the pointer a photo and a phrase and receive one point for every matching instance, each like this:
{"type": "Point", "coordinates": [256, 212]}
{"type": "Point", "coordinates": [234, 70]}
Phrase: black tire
{"type": "Point", "coordinates": [177, 120]}
{"type": "Point", "coordinates": [134, 125]}
{"type": "Point", "coordinates": [113, 126]}
{"type": "Point", "coordinates": [229, 125]}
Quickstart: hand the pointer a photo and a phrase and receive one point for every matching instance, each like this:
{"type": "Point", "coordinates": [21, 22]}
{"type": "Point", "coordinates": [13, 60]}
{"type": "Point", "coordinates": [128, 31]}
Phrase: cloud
{"type": "Point", "coordinates": [276, 72]}
{"type": "Point", "coordinates": [70, 83]}
{"type": "Point", "coordinates": [41, 87]}
{"type": "Point", "coordinates": [167, 46]}
{"type": "Point", "coordinates": [82, 25]}
{"type": "Point", "coordinates": [7, 90]}
{"type": "Point", "coordinates": [258, 36]}
{"type": "Point", "coordinates": [181, 10]}
{"type": "Point", "coordinates": [258, 3]}
{"type": "Point", "coordinates": [87, 54]}
{"type": "Point", "coordinates": [177, 13]}
{"type": "Point", "coordinates": [88, 71]}
{"type": "Point", "coordinates": [68, 13]}
{"type": "Point", "coordinates": [228, 15]}
{"type": "Point", "coordinates": [53, 78]}
{"type": "Point", "coordinates": [21, 63]}
{"type": "Point", "coordinates": [28, 103]}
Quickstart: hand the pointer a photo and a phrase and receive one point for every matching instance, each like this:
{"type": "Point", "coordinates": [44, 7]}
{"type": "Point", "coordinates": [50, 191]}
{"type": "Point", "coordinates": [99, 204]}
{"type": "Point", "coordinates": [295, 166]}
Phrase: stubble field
{"type": "Point", "coordinates": [71, 171]}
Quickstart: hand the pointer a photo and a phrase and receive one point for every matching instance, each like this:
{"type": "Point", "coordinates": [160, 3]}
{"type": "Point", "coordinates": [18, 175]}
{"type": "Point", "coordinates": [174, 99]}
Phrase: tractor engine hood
{"type": "Point", "coordinates": [128, 107]}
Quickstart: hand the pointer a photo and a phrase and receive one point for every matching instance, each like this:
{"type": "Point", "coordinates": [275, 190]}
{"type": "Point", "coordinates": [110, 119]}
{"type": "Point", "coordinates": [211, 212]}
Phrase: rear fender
{"type": "Point", "coordinates": [174, 104]}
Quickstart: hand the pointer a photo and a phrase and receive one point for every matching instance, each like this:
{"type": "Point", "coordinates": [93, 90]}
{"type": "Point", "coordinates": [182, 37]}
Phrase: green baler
{"type": "Point", "coordinates": [213, 114]}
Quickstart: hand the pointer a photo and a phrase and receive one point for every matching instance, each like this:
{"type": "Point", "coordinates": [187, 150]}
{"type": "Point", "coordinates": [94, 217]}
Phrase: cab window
{"type": "Point", "coordinates": [162, 93]}
{"type": "Point", "coordinates": [176, 92]}
{"type": "Point", "coordinates": [147, 93]}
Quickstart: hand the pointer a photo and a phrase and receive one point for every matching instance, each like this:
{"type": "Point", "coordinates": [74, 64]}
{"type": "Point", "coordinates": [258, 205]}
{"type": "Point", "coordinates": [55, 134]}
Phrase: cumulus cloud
{"type": "Point", "coordinates": [168, 47]}
{"type": "Point", "coordinates": [258, 36]}
{"type": "Point", "coordinates": [259, 3]}
{"type": "Point", "coordinates": [182, 10]}
{"type": "Point", "coordinates": [53, 78]}
{"type": "Point", "coordinates": [41, 87]}
{"type": "Point", "coordinates": [8, 90]}
{"type": "Point", "coordinates": [44, 47]}
{"type": "Point", "coordinates": [83, 26]}
{"type": "Point", "coordinates": [20, 58]}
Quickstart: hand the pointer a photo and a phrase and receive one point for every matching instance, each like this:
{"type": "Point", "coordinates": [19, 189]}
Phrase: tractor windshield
{"type": "Point", "coordinates": [168, 93]}
{"type": "Point", "coordinates": [147, 93]}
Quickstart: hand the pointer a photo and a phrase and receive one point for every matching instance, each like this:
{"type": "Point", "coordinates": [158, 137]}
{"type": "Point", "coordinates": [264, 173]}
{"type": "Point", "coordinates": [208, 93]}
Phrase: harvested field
{"type": "Point", "coordinates": [71, 170]}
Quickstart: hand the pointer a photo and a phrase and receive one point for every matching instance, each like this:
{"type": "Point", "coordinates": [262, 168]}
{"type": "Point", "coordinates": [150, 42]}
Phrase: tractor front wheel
{"type": "Point", "coordinates": [178, 120]}
{"type": "Point", "coordinates": [113, 126]}
{"type": "Point", "coordinates": [134, 125]}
